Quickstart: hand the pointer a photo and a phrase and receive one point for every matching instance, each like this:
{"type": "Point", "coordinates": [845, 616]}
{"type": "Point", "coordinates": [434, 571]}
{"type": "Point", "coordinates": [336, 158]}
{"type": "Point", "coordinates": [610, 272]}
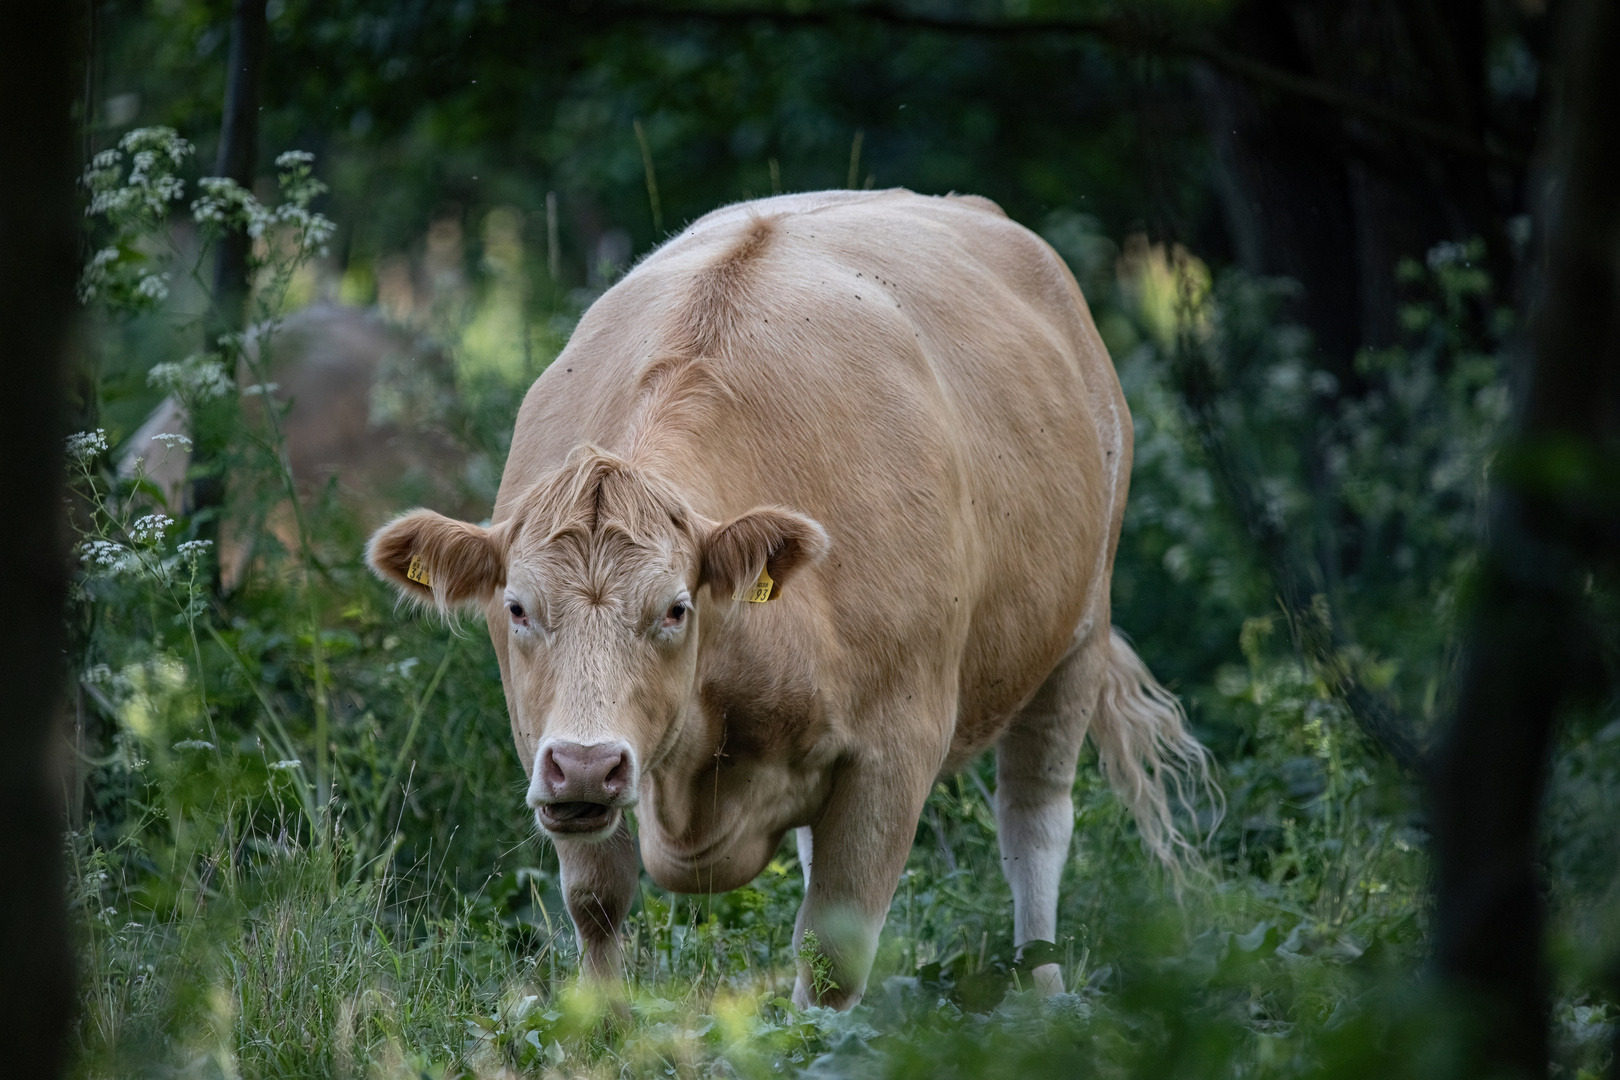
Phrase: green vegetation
{"type": "Point", "coordinates": [300, 847]}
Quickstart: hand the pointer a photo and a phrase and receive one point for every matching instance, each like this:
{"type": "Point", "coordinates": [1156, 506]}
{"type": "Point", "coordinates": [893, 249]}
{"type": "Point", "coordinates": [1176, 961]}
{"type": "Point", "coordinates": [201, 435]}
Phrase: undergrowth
{"type": "Point", "coordinates": [301, 849]}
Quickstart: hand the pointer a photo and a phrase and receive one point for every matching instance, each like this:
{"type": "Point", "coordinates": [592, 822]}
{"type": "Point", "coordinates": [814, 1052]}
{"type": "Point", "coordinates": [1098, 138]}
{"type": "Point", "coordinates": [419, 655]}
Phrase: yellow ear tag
{"type": "Point", "coordinates": [418, 573]}
{"type": "Point", "coordinates": [760, 591]}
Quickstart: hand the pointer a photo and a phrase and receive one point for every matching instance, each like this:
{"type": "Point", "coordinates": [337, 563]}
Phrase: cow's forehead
{"type": "Point", "coordinates": [601, 561]}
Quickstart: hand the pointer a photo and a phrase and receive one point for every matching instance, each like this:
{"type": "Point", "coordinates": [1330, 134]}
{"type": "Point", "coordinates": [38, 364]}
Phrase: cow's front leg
{"type": "Point", "coordinates": [858, 850]}
{"type": "Point", "coordinates": [598, 884]}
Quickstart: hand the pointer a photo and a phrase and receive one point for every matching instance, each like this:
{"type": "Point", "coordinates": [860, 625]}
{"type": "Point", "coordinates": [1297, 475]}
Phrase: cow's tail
{"type": "Point", "coordinates": [1147, 754]}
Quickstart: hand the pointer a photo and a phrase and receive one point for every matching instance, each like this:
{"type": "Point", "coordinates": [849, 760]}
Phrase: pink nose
{"type": "Point", "coordinates": [575, 772]}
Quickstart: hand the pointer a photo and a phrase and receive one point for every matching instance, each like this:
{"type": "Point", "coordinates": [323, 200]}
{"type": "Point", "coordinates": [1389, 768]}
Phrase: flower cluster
{"type": "Point", "coordinates": [225, 202]}
{"type": "Point", "coordinates": [172, 440]}
{"type": "Point", "coordinates": [108, 557]}
{"type": "Point", "coordinates": [86, 445]}
{"type": "Point", "coordinates": [150, 529]}
{"type": "Point", "coordinates": [135, 205]}
{"type": "Point", "coordinates": [193, 550]}
{"type": "Point", "coordinates": [199, 377]}
{"type": "Point", "coordinates": [98, 274]}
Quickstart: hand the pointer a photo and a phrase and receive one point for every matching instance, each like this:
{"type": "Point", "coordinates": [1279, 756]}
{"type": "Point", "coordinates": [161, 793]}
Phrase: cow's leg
{"type": "Point", "coordinates": [859, 844]}
{"type": "Point", "coordinates": [598, 884]}
{"type": "Point", "coordinates": [1035, 763]}
{"type": "Point", "coordinates": [806, 852]}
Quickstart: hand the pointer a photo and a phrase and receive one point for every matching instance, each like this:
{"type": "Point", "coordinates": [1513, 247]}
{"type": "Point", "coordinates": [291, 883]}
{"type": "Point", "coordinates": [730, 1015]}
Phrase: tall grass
{"type": "Point", "coordinates": [303, 850]}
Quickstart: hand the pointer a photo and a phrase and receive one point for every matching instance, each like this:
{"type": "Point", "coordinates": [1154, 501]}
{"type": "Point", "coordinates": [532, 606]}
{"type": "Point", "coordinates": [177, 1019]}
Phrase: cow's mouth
{"type": "Point", "coordinates": [576, 817]}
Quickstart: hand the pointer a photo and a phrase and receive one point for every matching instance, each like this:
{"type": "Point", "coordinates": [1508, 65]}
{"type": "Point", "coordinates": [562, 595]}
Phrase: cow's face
{"type": "Point", "coordinates": [598, 584]}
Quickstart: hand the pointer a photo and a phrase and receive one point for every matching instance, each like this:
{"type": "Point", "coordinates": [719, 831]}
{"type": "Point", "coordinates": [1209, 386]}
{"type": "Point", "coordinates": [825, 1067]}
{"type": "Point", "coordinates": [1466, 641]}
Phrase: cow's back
{"type": "Point", "coordinates": [920, 375]}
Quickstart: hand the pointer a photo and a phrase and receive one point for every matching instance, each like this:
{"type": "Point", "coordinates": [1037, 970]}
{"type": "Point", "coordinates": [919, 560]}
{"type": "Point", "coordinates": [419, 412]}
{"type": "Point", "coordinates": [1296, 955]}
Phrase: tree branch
{"type": "Point", "coordinates": [1128, 34]}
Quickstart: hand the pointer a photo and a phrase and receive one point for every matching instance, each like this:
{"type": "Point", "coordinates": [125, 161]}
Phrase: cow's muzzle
{"type": "Point", "coordinates": [578, 789]}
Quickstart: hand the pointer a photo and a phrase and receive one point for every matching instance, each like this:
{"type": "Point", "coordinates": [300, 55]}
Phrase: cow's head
{"type": "Point", "coordinates": [599, 582]}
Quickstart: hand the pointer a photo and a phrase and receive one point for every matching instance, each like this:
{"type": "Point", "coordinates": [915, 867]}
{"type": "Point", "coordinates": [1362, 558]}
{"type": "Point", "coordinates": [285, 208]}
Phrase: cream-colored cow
{"type": "Point", "coordinates": [820, 502]}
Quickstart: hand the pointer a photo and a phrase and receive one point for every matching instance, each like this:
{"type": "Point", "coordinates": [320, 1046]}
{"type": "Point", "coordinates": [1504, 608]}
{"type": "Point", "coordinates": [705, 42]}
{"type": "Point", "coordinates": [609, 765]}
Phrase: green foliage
{"type": "Point", "coordinates": [303, 851]}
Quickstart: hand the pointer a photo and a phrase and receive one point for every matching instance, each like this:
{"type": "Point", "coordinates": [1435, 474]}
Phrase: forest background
{"type": "Point", "coordinates": [1310, 234]}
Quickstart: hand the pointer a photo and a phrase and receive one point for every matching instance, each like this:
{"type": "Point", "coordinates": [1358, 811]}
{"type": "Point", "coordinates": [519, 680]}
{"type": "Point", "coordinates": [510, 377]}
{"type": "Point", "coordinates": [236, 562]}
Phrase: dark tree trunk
{"type": "Point", "coordinates": [1555, 520]}
{"type": "Point", "coordinates": [238, 157]}
{"type": "Point", "coordinates": [37, 270]}
{"type": "Point", "coordinates": [237, 160]}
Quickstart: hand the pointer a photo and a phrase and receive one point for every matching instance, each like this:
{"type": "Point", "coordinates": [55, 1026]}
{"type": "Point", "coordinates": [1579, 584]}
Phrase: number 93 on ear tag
{"type": "Point", "coordinates": [761, 590]}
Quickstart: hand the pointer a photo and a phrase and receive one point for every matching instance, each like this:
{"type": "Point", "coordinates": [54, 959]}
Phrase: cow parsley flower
{"type": "Point", "coordinates": [286, 766]}
{"type": "Point", "coordinates": [108, 557]}
{"type": "Point", "coordinates": [1446, 253]}
{"type": "Point", "coordinates": [193, 744]}
{"type": "Point", "coordinates": [150, 529]}
{"type": "Point", "coordinates": [159, 140]}
{"type": "Point", "coordinates": [153, 287]}
{"type": "Point", "coordinates": [290, 158]}
{"type": "Point", "coordinates": [171, 440]}
{"type": "Point", "coordinates": [193, 550]}
{"type": "Point", "coordinates": [224, 201]}
{"type": "Point", "coordinates": [199, 377]}
{"type": "Point", "coordinates": [260, 388]}
{"type": "Point", "coordinates": [97, 274]}
{"type": "Point", "coordinates": [86, 445]}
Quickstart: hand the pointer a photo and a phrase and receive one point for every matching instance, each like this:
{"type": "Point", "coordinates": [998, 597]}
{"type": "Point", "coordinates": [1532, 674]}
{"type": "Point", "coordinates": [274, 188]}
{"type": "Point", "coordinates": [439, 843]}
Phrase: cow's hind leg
{"type": "Point", "coordinates": [1035, 765]}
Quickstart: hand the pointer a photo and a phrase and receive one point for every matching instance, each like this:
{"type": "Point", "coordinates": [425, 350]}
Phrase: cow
{"type": "Point", "coordinates": [820, 501]}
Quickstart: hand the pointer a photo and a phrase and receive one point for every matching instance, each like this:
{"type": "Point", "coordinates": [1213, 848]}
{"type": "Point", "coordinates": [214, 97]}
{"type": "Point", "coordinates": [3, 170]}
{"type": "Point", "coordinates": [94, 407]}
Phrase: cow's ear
{"type": "Point", "coordinates": [779, 541]}
{"type": "Point", "coordinates": [435, 560]}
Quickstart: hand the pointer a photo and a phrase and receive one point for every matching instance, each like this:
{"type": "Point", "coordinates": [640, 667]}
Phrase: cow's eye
{"type": "Point", "coordinates": [518, 615]}
{"type": "Point", "coordinates": [675, 615]}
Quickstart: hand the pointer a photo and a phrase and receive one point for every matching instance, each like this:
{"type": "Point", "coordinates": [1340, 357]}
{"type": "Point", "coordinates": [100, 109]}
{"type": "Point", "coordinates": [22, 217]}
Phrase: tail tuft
{"type": "Point", "coordinates": [1146, 751]}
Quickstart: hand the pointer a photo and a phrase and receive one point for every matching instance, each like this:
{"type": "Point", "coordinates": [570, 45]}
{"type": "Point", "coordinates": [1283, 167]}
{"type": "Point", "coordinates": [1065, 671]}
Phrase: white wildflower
{"type": "Point", "coordinates": [160, 140]}
{"type": "Point", "coordinates": [150, 529]}
{"type": "Point", "coordinates": [260, 388]}
{"type": "Point", "coordinates": [108, 557]}
{"type": "Point", "coordinates": [97, 274]}
{"type": "Point", "coordinates": [286, 766]}
{"type": "Point", "coordinates": [1446, 254]}
{"type": "Point", "coordinates": [171, 440]}
{"type": "Point", "coordinates": [87, 444]}
{"type": "Point", "coordinates": [199, 377]}
{"type": "Point", "coordinates": [154, 287]}
{"type": "Point", "coordinates": [193, 744]}
{"type": "Point", "coordinates": [141, 165]}
{"type": "Point", "coordinates": [192, 550]}
{"type": "Point", "coordinates": [290, 158]}
{"type": "Point", "coordinates": [97, 675]}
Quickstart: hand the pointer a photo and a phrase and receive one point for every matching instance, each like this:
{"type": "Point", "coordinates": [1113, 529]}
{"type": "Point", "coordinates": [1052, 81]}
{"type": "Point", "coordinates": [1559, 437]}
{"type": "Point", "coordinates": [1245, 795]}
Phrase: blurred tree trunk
{"type": "Point", "coordinates": [1555, 529]}
{"type": "Point", "coordinates": [238, 157]}
{"type": "Point", "coordinates": [37, 270]}
{"type": "Point", "coordinates": [237, 160]}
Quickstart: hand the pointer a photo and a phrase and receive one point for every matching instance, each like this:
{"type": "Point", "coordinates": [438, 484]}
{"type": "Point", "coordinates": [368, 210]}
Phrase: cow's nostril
{"type": "Point", "coordinates": [618, 775]}
{"type": "Point", "coordinates": [551, 771]}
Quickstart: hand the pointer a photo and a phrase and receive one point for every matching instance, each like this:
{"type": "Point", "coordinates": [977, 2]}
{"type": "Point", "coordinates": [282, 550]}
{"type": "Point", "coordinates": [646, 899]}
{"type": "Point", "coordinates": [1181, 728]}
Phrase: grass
{"type": "Point", "coordinates": [281, 954]}
{"type": "Point", "coordinates": [302, 849]}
